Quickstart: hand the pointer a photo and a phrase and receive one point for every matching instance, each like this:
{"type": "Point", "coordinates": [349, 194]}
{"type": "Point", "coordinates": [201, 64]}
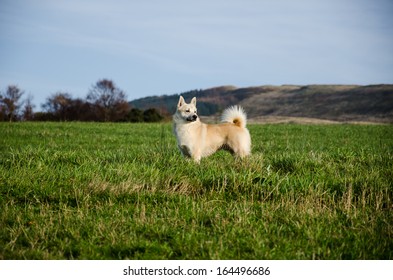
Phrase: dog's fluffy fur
{"type": "Point", "coordinates": [196, 139]}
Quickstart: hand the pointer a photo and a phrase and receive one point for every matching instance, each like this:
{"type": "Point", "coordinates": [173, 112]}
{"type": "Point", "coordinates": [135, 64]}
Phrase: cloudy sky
{"type": "Point", "coordinates": [155, 47]}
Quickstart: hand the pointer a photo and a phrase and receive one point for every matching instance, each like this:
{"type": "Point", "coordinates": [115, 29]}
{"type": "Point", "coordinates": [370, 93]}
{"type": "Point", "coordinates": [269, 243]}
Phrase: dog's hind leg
{"type": "Point", "coordinates": [242, 153]}
{"type": "Point", "coordinates": [241, 149]}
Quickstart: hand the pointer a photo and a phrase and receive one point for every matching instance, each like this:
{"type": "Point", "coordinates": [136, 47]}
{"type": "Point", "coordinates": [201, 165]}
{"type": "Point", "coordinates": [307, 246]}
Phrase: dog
{"type": "Point", "coordinates": [196, 139]}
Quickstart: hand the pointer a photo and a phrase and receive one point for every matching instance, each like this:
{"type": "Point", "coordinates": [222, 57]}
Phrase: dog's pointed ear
{"type": "Point", "coordinates": [193, 101]}
{"type": "Point", "coordinates": [181, 102]}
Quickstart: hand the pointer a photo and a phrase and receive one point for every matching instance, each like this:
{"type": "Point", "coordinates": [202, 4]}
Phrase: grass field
{"type": "Point", "coordinates": [122, 191]}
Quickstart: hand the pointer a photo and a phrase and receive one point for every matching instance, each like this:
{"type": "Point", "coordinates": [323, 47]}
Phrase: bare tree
{"type": "Point", "coordinates": [27, 113]}
{"type": "Point", "coordinates": [10, 102]}
{"type": "Point", "coordinates": [109, 101]}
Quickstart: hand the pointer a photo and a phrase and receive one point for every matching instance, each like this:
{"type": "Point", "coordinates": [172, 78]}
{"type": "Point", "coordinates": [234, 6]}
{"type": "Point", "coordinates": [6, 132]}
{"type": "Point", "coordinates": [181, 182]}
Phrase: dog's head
{"type": "Point", "coordinates": [187, 112]}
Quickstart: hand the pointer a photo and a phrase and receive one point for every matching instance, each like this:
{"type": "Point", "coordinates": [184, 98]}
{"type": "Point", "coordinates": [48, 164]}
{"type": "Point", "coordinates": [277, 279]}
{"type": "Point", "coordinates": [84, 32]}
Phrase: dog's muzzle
{"type": "Point", "coordinates": [192, 118]}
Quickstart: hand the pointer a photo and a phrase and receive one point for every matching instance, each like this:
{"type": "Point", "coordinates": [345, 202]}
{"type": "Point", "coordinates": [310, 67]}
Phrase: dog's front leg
{"type": "Point", "coordinates": [196, 155]}
{"type": "Point", "coordinates": [185, 151]}
{"type": "Point", "coordinates": [197, 159]}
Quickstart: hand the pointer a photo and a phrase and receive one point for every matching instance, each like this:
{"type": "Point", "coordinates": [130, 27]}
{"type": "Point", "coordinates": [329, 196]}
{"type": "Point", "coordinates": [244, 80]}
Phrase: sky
{"type": "Point", "coordinates": [154, 47]}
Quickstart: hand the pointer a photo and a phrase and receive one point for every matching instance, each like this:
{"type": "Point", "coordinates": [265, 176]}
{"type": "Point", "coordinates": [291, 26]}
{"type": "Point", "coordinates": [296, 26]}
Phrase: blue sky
{"type": "Point", "coordinates": [157, 47]}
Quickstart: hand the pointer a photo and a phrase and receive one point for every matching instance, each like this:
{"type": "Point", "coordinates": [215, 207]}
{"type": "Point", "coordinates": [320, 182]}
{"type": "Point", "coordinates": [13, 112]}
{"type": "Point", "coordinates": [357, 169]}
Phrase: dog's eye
{"type": "Point", "coordinates": [188, 110]}
{"type": "Point", "coordinates": [195, 111]}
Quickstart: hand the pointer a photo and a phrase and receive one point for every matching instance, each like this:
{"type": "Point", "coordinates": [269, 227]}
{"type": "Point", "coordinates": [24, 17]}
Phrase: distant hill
{"type": "Point", "coordinates": [343, 103]}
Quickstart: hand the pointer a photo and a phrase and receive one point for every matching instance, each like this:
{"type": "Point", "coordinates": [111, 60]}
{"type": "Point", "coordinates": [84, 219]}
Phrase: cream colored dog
{"type": "Point", "coordinates": [196, 139]}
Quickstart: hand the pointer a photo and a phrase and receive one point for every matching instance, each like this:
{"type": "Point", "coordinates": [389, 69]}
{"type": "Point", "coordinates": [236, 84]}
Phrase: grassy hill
{"type": "Point", "coordinates": [83, 190]}
{"type": "Point", "coordinates": [344, 103]}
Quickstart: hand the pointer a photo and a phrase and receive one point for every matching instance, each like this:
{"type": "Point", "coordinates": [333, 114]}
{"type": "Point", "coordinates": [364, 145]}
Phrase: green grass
{"type": "Point", "coordinates": [122, 191]}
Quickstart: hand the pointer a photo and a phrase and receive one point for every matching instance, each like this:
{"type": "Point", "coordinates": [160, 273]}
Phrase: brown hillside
{"type": "Point", "coordinates": [337, 103]}
{"type": "Point", "coordinates": [343, 103]}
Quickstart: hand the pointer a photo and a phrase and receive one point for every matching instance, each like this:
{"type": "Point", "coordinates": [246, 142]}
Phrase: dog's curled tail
{"type": "Point", "coordinates": [235, 115]}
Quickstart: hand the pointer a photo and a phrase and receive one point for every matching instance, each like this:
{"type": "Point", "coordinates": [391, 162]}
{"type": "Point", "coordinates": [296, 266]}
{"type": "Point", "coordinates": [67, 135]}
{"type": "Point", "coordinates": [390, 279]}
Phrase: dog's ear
{"type": "Point", "coordinates": [193, 101]}
{"type": "Point", "coordinates": [181, 102]}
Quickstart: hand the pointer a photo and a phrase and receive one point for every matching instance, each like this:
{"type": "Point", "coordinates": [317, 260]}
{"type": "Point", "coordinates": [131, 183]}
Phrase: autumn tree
{"type": "Point", "coordinates": [80, 110]}
{"type": "Point", "coordinates": [109, 101]}
{"type": "Point", "coordinates": [58, 104]}
{"type": "Point", "coordinates": [10, 102]}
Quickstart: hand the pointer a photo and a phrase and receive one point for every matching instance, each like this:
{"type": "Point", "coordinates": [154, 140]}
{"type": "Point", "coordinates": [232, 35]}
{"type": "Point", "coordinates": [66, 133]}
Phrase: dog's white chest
{"type": "Point", "coordinates": [184, 134]}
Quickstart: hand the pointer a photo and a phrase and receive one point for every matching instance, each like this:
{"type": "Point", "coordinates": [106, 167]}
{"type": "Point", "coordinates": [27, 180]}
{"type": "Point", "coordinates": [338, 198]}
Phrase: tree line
{"type": "Point", "coordinates": [104, 102]}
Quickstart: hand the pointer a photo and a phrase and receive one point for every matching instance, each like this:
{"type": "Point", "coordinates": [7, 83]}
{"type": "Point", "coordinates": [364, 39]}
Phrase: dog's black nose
{"type": "Point", "coordinates": [192, 118]}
